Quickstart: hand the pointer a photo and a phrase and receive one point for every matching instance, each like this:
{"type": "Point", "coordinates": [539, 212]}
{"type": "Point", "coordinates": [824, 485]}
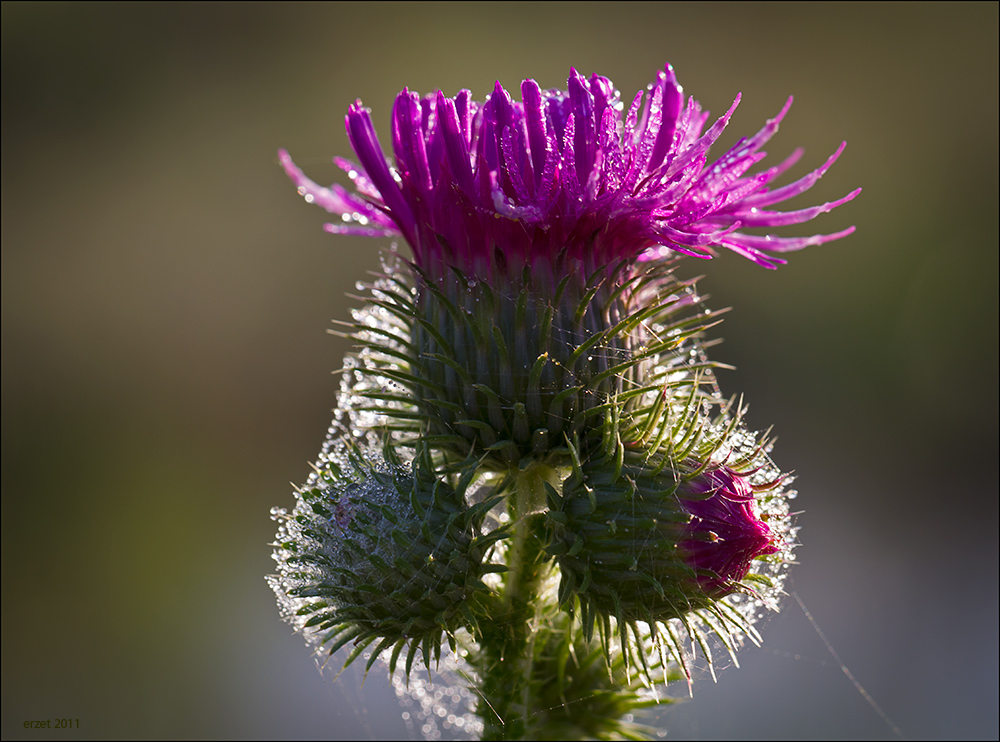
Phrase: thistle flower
{"type": "Point", "coordinates": [542, 234]}
{"type": "Point", "coordinates": [561, 181]}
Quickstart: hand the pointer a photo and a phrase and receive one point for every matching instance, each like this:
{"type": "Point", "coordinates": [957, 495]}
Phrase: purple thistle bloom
{"type": "Point", "coordinates": [724, 534]}
{"type": "Point", "coordinates": [500, 185]}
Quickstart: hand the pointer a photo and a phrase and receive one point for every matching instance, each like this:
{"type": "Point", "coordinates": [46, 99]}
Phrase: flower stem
{"type": "Point", "coordinates": [506, 655]}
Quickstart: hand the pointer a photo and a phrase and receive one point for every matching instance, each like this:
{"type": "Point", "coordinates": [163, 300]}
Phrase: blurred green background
{"type": "Point", "coordinates": [166, 370]}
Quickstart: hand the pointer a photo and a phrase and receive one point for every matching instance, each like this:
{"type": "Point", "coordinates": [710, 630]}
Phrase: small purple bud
{"type": "Point", "coordinates": [724, 534]}
{"type": "Point", "coordinates": [652, 540]}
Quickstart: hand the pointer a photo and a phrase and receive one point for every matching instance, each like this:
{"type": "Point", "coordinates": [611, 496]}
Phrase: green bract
{"type": "Point", "coordinates": [385, 553]}
{"type": "Point", "coordinates": [509, 373]}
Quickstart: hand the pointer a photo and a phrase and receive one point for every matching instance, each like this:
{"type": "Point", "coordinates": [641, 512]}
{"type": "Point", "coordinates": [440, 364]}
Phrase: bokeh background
{"type": "Point", "coordinates": [166, 370]}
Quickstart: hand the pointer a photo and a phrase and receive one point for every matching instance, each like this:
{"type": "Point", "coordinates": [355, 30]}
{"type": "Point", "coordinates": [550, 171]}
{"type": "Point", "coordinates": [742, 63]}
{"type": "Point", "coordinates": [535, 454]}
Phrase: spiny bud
{"type": "Point", "coordinates": [380, 552]}
{"type": "Point", "coordinates": [647, 539]}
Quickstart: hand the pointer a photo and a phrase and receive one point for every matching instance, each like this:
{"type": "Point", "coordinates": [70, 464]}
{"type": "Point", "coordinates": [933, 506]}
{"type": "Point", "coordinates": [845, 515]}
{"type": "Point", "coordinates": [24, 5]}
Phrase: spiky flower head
{"type": "Point", "coordinates": [562, 180]}
{"type": "Point", "coordinates": [379, 552]}
{"type": "Point", "coordinates": [542, 234]}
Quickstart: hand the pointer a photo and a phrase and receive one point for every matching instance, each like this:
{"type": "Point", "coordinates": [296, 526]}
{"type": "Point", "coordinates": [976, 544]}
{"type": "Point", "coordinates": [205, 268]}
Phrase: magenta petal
{"type": "Point", "coordinates": [672, 105]}
{"type": "Point", "coordinates": [335, 199]}
{"type": "Point", "coordinates": [788, 244]}
{"type": "Point", "coordinates": [538, 142]}
{"type": "Point", "coordinates": [456, 146]}
{"type": "Point", "coordinates": [359, 231]}
{"type": "Point", "coordinates": [584, 141]}
{"type": "Point", "coordinates": [800, 186]}
{"type": "Point", "coordinates": [758, 218]}
{"type": "Point", "coordinates": [408, 140]}
{"type": "Point", "coordinates": [362, 135]}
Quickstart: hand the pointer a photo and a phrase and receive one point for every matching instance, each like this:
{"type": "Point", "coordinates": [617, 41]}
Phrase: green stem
{"type": "Point", "coordinates": [506, 650]}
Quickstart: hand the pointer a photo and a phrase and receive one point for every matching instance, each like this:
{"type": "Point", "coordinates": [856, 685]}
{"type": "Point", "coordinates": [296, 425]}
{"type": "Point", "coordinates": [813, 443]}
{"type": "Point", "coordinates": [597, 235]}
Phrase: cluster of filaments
{"type": "Point", "coordinates": [458, 387]}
